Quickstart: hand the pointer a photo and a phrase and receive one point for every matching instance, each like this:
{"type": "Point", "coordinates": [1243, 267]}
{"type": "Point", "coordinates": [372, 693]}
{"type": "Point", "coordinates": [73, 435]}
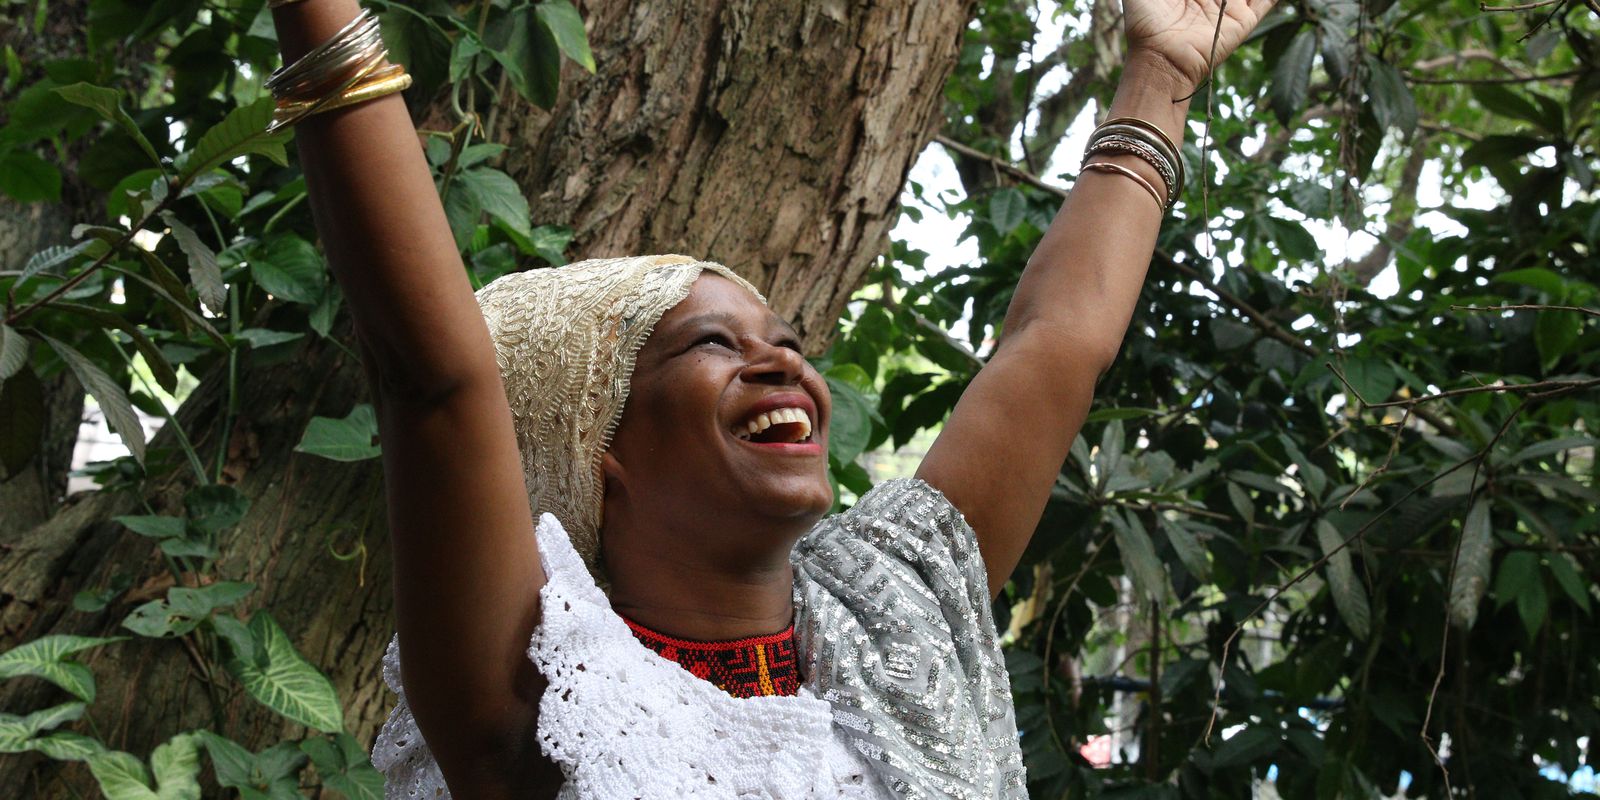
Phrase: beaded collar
{"type": "Point", "coordinates": [757, 666]}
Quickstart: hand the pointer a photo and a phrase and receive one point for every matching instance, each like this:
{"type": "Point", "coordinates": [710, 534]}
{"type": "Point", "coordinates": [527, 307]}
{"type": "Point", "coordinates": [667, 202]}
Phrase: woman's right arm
{"type": "Point", "coordinates": [466, 566]}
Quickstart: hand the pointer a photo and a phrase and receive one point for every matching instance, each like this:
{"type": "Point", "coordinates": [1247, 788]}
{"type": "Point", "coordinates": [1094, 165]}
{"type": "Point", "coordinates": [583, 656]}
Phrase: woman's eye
{"type": "Point", "coordinates": [716, 339]}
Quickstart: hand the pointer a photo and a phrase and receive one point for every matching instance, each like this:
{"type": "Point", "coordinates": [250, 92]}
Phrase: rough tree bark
{"type": "Point", "coordinates": [774, 137]}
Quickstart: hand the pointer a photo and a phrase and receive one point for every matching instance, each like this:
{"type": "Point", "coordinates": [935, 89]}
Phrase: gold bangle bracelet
{"type": "Point", "coordinates": [390, 80]}
{"type": "Point", "coordinates": [1106, 166]}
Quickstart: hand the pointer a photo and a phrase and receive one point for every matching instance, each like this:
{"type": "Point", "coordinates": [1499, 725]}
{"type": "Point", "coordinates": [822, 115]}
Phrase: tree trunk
{"type": "Point", "coordinates": [773, 137]}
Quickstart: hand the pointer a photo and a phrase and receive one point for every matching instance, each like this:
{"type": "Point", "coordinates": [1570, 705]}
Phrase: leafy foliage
{"type": "Point", "coordinates": [193, 186]}
{"type": "Point", "coordinates": [1317, 479]}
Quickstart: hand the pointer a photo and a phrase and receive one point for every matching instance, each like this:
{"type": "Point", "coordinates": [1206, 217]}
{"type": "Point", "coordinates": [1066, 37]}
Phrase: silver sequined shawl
{"type": "Point", "coordinates": [895, 631]}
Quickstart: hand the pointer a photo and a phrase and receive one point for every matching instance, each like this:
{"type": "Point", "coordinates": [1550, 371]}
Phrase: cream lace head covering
{"type": "Point", "coordinates": [565, 340]}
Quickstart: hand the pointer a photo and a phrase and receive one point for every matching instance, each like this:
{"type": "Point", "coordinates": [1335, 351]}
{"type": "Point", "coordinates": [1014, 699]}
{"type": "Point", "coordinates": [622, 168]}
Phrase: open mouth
{"type": "Point", "coordinates": [778, 426]}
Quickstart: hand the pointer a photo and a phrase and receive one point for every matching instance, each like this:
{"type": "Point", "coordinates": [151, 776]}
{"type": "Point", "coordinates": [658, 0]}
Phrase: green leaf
{"type": "Point", "coordinates": [166, 377]}
{"type": "Point", "coordinates": [1554, 334]}
{"type": "Point", "coordinates": [121, 776]}
{"type": "Point", "coordinates": [111, 397]}
{"type": "Point", "coordinates": [1130, 412]}
{"type": "Point", "coordinates": [344, 767]}
{"type": "Point", "coordinates": [108, 104]}
{"type": "Point", "coordinates": [28, 178]}
{"type": "Point", "coordinates": [155, 527]}
{"type": "Point", "coordinates": [290, 268]}
{"type": "Point", "coordinates": [184, 608]}
{"type": "Point", "coordinates": [1349, 596]}
{"type": "Point", "coordinates": [287, 684]}
{"type": "Point", "coordinates": [1246, 747]}
{"type": "Point", "coordinates": [215, 507]}
{"type": "Point", "coordinates": [851, 425]}
{"type": "Point", "coordinates": [1392, 102]}
{"type": "Point", "coordinates": [1007, 208]}
{"type": "Point", "coordinates": [53, 256]}
{"type": "Point", "coordinates": [1138, 555]}
{"type": "Point", "coordinates": [1500, 149]}
{"type": "Point", "coordinates": [1291, 76]}
{"type": "Point", "coordinates": [564, 23]}
{"type": "Point", "coordinates": [1371, 378]}
{"type": "Point", "coordinates": [204, 272]}
{"type": "Point", "coordinates": [346, 439]}
{"type": "Point", "coordinates": [499, 195]}
{"type": "Point", "coordinates": [16, 733]}
{"type": "Point", "coordinates": [176, 765]}
{"type": "Point", "coordinates": [47, 658]}
{"type": "Point", "coordinates": [1568, 579]}
{"type": "Point", "coordinates": [1506, 102]}
{"type": "Point", "coordinates": [1471, 571]}
{"type": "Point", "coordinates": [1190, 552]}
{"type": "Point", "coordinates": [521, 43]}
{"type": "Point", "coordinates": [67, 746]}
{"type": "Point", "coordinates": [13, 351]}
{"type": "Point", "coordinates": [242, 132]}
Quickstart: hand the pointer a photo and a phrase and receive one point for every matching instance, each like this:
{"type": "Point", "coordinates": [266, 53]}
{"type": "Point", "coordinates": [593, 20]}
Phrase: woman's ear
{"type": "Point", "coordinates": [611, 470]}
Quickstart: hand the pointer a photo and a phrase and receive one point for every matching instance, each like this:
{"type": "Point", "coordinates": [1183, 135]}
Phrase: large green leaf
{"type": "Point", "coordinates": [343, 765]}
{"type": "Point", "coordinates": [166, 377]}
{"type": "Point", "coordinates": [1138, 555]}
{"type": "Point", "coordinates": [287, 684]}
{"type": "Point", "coordinates": [184, 608]}
{"type": "Point", "coordinates": [1471, 576]}
{"type": "Point", "coordinates": [17, 733]}
{"type": "Point", "coordinates": [345, 439]}
{"type": "Point", "coordinates": [1006, 209]}
{"type": "Point", "coordinates": [564, 23]}
{"type": "Point", "coordinates": [122, 776]}
{"type": "Point", "coordinates": [47, 658]}
{"type": "Point", "coordinates": [1349, 595]}
{"type": "Point", "coordinates": [28, 178]}
{"type": "Point", "coordinates": [204, 271]}
{"type": "Point", "coordinates": [289, 267]}
{"type": "Point", "coordinates": [525, 47]}
{"type": "Point", "coordinates": [1291, 76]}
{"type": "Point", "coordinates": [13, 351]}
{"type": "Point", "coordinates": [108, 104]}
{"type": "Point", "coordinates": [242, 132]}
{"type": "Point", "coordinates": [269, 775]}
{"type": "Point", "coordinates": [1190, 552]}
{"type": "Point", "coordinates": [108, 393]}
{"type": "Point", "coordinates": [499, 195]}
{"type": "Point", "coordinates": [851, 424]}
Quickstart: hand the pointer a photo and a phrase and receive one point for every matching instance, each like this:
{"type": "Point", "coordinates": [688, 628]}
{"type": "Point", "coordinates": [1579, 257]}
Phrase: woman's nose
{"type": "Point", "coordinates": [770, 363]}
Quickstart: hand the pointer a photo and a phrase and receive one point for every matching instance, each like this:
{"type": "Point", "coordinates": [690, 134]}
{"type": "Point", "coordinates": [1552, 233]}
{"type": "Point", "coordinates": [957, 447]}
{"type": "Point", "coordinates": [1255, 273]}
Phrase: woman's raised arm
{"type": "Point", "coordinates": [467, 571]}
{"type": "Point", "coordinates": [1001, 450]}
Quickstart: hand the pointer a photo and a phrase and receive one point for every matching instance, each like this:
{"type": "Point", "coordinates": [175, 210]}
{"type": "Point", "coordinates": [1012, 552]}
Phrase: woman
{"type": "Point", "coordinates": [662, 422]}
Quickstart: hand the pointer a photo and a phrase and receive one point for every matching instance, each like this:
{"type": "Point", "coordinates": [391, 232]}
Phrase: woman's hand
{"type": "Point", "coordinates": [1178, 34]}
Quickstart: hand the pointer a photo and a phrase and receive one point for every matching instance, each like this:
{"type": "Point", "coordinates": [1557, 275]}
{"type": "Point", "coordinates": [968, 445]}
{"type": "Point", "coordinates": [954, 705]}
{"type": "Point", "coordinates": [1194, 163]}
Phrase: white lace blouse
{"type": "Point", "coordinates": [905, 694]}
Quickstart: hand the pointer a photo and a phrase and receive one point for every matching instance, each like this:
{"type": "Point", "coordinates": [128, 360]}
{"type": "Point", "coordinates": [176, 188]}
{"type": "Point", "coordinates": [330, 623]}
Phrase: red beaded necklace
{"type": "Point", "coordinates": [757, 666]}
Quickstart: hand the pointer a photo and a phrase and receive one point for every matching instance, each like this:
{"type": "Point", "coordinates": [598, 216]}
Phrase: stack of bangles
{"type": "Point", "coordinates": [1136, 137]}
{"type": "Point", "coordinates": [347, 69]}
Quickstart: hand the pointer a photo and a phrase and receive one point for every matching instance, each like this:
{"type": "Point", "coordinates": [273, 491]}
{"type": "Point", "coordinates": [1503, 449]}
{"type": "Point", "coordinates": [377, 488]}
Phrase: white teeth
{"type": "Point", "coordinates": [779, 416]}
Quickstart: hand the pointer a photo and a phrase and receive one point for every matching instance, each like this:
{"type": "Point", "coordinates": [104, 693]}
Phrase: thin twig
{"type": "Point", "coordinates": [1518, 7]}
{"type": "Point", "coordinates": [999, 164]}
{"type": "Point", "coordinates": [1529, 307]}
{"type": "Point", "coordinates": [1554, 76]}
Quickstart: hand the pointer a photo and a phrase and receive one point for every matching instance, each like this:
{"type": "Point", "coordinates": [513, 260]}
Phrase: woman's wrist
{"type": "Point", "coordinates": [1151, 89]}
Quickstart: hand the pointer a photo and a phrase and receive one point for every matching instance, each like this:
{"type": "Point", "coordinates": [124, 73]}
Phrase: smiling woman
{"type": "Point", "coordinates": [659, 423]}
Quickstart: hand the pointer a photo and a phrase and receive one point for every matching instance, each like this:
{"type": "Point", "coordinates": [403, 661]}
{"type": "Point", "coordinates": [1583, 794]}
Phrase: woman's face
{"type": "Point", "coordinates": [725, 419]}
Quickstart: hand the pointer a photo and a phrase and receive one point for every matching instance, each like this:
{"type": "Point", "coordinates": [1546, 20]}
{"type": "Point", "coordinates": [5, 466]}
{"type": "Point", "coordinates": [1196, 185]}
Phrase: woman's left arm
{"type": "Point", "coordinates": [998, 455]}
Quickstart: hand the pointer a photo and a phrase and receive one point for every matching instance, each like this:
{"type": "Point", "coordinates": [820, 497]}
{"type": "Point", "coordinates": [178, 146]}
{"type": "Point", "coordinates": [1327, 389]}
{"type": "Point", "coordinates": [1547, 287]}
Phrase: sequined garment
{"type": "Point", "coordinates": [895, 630]}
{"type": "Point", "coordinates": [755, 666]}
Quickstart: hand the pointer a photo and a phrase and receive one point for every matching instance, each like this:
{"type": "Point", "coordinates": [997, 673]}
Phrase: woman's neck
{"type": "Point", "coordinates": [696, 587]}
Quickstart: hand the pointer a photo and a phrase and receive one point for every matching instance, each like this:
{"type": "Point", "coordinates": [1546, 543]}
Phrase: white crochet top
{"type": "Point", "coordinates": [905, 693]}
{"type": "Point", "coordinates": [623, 722]}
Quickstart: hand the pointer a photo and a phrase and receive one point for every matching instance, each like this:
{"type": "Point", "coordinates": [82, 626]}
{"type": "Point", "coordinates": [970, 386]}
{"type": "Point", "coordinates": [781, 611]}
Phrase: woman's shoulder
{"type": "Point", "coordinates": [904, 519]}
